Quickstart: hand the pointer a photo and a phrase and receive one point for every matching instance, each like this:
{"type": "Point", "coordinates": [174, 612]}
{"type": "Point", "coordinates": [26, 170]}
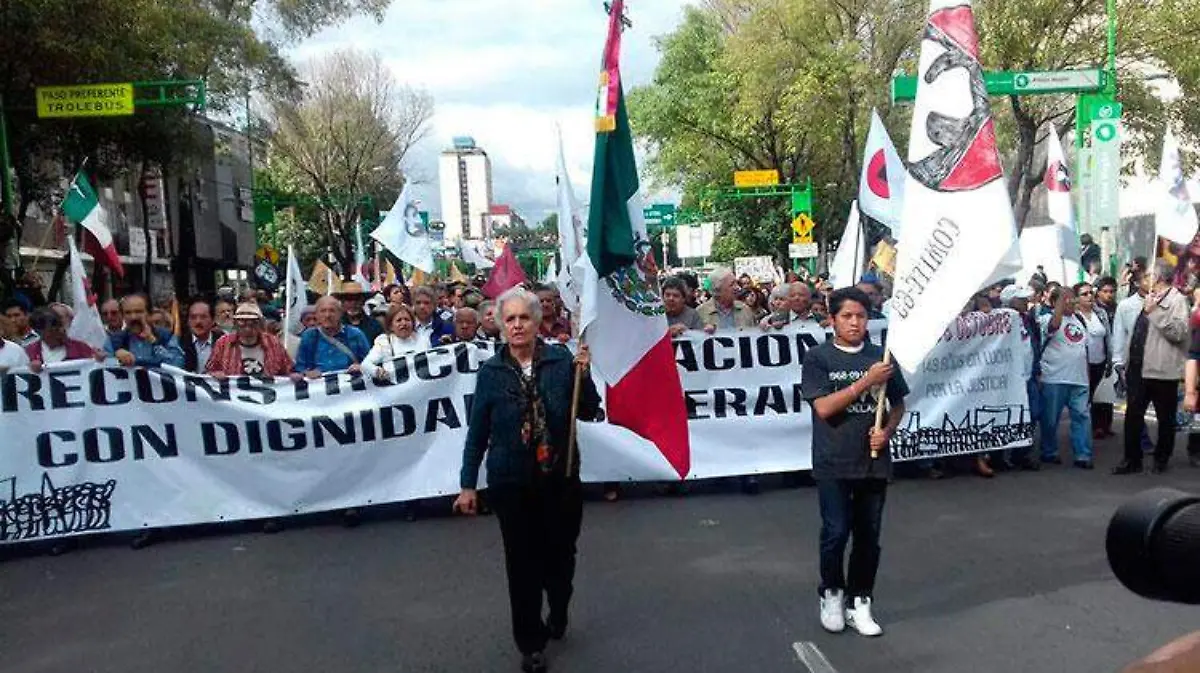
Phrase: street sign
{"type": "Point", "coordinates": [659, 215]}
{"type": "Point", "coordinates": [1016, 83]}
{"type": "Point", "coordinates": [803, 250]}
{"type": "Point", "coordinates": [1105, 154]}
{"type": "Point", "coordinates": [1058, 81]}
{"type": "Point", "coordinates": [87, 100]}
{"type": "Point", "coordinates": [802, 228]}
{"type": "Point", "coordinates": [756, 178]}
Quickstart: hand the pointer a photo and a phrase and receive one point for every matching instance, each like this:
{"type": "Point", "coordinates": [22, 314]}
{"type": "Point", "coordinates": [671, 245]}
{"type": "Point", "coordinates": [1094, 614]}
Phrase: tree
{"type": "Point", "coordinates": [789, 84]}
{"type": "Point", "coordinates": [771, 84]}
{"type": "Point", "coordinates": [1050, 35]}
{"type": "Point", "coordinates": [343, 138]}
{"type": "Point", "coordinates": [545, 235]}
{"type": "Point", "coordinates": [69, 42]}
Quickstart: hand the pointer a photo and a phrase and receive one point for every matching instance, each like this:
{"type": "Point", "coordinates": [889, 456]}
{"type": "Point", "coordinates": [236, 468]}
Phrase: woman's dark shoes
{"type": "Point", "coordinates": [534, 663]}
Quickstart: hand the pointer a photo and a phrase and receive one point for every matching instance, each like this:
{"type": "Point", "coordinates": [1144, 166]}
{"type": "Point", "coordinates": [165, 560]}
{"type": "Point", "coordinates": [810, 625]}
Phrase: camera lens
{"type": "Point", "coordinates": [1153, 545]}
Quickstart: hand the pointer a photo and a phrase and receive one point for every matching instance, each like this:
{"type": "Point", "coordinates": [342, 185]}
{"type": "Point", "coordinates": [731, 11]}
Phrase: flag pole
{"type": "Point", "coordinates": [880, 398]}
{"type": "Point", "coordinates": [571, 448]}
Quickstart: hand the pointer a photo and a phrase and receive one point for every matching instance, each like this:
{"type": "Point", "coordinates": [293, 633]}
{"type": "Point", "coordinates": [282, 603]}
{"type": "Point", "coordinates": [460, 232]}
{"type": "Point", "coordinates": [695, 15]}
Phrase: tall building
{"type": "Point", "coordinates": [465, 176]}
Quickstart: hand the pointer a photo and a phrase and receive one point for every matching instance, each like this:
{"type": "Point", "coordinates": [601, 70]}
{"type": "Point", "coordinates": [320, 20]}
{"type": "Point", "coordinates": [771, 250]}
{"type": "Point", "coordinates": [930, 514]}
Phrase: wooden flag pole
{"type": "Point", "coordinates": [579, 370]}
{"type": "Point", "coordinates": [881, 397]}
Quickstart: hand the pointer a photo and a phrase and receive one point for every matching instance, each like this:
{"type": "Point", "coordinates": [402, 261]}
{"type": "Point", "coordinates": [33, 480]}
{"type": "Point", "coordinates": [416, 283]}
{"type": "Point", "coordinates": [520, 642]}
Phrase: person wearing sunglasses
{"type": "Point", "coordinates": [1099, 347]}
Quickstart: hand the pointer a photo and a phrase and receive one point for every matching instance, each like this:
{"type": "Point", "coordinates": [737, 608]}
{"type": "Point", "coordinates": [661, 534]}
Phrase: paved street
{"type": "Point", "coordinates": [1001, 575]}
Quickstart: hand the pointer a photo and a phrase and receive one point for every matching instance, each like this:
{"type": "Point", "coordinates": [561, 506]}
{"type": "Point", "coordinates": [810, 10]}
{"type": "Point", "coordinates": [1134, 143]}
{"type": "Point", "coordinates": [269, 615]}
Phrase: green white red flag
{"type": "Point", "coordinates": [623, 317]}
{"type": "Point", "coordinates": [82, 206]}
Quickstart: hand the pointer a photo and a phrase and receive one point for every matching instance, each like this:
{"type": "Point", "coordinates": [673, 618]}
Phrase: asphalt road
{"type": "Point", "coordinates": [978, 576]}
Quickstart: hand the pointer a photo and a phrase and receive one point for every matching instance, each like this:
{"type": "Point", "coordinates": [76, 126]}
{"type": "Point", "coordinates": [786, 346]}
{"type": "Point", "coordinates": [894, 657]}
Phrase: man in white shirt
{"type": "Point", "coordinates": [18, 318]}
{"type": "Point", "coordinates": [11, 356]}
{"type": "Point", "coordinates": [1065, 380]}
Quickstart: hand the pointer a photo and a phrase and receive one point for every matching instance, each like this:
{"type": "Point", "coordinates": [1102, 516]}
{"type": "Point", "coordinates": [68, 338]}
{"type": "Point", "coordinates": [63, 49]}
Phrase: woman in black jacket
{"type": "Point", "coordinates": [521, 418]}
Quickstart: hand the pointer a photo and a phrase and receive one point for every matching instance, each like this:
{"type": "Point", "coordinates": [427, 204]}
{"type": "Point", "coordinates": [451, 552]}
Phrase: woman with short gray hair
{"type": "Point", "coordinates": [521, 418]}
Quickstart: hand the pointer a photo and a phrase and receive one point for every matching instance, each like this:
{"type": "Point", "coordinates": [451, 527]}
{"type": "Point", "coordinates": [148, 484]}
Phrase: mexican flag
{"type": "Point", "coordinates": [82, 206]}
{"type": "Point", "coordinates": [623, 317]}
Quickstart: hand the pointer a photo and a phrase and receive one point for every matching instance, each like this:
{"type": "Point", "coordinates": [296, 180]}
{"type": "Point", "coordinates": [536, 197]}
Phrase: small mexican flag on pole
{"type": "Point", "coordinates": [82, 206]}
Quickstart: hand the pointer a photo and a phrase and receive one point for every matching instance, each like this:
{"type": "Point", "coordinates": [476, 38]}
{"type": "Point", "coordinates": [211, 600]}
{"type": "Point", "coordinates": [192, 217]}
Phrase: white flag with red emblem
{"type": "Point", "coordinates": [958, 223]}
{"type": "Point", "coordinates": [881, 186]}
{"type": "Point", "coordinates": [1058, 206]}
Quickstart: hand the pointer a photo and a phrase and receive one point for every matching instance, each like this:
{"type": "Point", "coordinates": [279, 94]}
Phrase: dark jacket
{"type": "Point", "coordinates": [441, 328]}
{"type": "Point", "coordinates": [496, 415]}
{"type": "Point", "coordinates": [188, 345]}
{"type": "Point", "coordinates": [369, 326]}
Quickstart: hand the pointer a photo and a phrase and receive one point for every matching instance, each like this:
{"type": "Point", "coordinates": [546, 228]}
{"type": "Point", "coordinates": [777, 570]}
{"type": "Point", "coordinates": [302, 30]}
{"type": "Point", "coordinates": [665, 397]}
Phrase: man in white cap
{"type": "Point", "coordinates": [1016, 297]}
{"type": "Point", "coordinates": [249, 351]}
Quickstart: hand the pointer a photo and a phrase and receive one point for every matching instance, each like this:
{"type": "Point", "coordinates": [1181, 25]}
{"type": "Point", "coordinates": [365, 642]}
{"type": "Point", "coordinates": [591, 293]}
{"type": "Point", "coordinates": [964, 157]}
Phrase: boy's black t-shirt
{"type": "Point", "coordinates": [841, 445]}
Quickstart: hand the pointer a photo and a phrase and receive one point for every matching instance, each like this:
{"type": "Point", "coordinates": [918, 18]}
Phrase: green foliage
{"type": "Point", "coordinates": [789, 84]}
{"type": "Point", "coordinates": [783, 84]}
{"type": "Point", "coordinates": [61, 42]}
{"type": "Point", "coordinates": [523, 238]}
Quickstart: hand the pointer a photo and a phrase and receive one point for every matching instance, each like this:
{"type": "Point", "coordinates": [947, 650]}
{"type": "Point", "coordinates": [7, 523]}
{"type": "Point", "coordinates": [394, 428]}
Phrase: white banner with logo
{"type": "Point", "coordinates": [91, 447]}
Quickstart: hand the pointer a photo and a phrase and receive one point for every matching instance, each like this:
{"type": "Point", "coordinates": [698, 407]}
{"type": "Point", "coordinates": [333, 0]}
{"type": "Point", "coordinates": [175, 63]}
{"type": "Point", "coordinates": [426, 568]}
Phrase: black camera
{"type": "Point", "coordinates": [1153, 545]}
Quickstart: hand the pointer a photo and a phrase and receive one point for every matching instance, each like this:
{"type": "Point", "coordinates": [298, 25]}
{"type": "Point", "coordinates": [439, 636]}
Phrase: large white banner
{"type": "Point", "coordinates": [92, 447]}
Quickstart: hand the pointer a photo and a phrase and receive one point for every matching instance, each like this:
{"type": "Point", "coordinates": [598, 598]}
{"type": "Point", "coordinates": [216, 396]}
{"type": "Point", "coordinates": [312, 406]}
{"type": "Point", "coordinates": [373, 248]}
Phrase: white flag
{"type": "Point", "coordinates": [360, 257]}
{"type": "Point", "coordinates": [848, 261]}
{"type": "Point", "coordinates": [296, 293]}
{"type": "Point", "coordinates": [572, 242]}
{"type": "Point", "coordinates": [550, 275]}
{"type": "Point", "coordinates": [881, 186]}
{"type": "Point", "coordinates": [958, 223]}
{"type": "Point", "coordinates": [473, 253]}
{"type": "Point", "coordinates": [1058, 205]}
{"type": "Point", "coordinates": [405, 234]}
{"type": "Point", "coordinates": [1175, 216]}
{"type": "Point", "coordinates": [86, 326]}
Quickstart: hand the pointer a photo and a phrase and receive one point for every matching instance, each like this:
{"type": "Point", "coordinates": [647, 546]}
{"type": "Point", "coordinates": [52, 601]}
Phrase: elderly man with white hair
{"type": "Point", "coordinates": [724, 311]}
{"type": "Point", "coordinates": [796, 309]}
{"type": "Point", "coordinates": [331, 345]}
{"type": "Point", "coordinates": [1158, 349]}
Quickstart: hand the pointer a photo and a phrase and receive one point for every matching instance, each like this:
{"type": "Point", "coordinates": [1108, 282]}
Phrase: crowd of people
{"type": "Point", "coordinates": [1130, 336]}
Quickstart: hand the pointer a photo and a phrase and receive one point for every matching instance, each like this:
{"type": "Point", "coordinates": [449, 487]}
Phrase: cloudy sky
{"type": "Point", "coordinates": [505, 72]}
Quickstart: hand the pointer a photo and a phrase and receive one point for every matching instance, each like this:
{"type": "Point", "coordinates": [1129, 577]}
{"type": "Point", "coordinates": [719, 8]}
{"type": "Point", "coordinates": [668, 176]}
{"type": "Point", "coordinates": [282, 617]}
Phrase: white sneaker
{"type": "Point", "coordinates": [859, 617]}
{"type": "Point", "coordinates": [833, 611]}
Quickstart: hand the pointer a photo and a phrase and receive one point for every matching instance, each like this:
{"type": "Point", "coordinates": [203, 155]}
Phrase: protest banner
{"type": "Point", "coordinates": [92, 447]}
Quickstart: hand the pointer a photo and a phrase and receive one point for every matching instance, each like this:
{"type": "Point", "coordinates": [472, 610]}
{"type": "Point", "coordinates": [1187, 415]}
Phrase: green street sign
{"type": "Point", "coordinates": [1017, 83]}
{"type": "Point", "coordinates": [1105, 159]}
{"type": "Point", "coordinates": [659, 215]}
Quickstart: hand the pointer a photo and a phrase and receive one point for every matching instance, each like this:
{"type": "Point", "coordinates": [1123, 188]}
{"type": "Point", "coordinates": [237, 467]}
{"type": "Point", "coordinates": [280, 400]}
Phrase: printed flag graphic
{"type": "Point", "coordinates": [958, 223]}
{"type": "Point", "coordinates": [881, 186]}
